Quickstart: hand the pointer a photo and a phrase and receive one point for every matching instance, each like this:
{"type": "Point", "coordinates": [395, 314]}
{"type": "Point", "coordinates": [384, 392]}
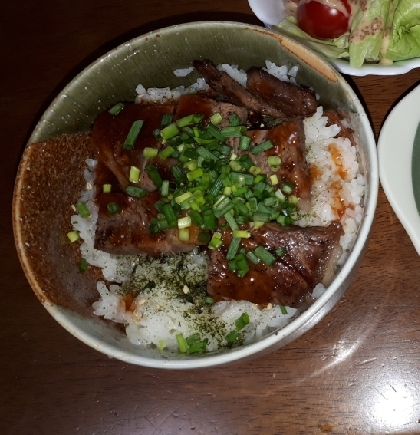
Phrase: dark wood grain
{"type": "Point", "coordinates": [356, 372]}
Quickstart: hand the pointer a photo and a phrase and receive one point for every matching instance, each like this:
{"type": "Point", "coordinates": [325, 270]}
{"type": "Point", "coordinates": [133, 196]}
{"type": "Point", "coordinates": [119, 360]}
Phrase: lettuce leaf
{"type": "Point", "coordinates": [404, 36]}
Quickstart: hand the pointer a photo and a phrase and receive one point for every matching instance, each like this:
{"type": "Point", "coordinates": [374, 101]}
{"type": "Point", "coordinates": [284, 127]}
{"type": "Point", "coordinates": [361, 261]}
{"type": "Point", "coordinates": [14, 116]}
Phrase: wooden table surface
{"type": "Point", "coordinates": [356, 372]}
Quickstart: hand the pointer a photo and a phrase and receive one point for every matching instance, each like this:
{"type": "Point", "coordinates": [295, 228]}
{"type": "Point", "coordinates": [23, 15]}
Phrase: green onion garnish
{"type": "Point", "coordinates": [170, 131]}
{"type": "Point", "coordinates": [82, 209]}
{"type": "Point", "coordinates": [83, 265]}
{"type": "Point", "coordinates": [135, 191]}
{"type": "Point", "coordinates": [184, 234]}
{"type": "Point", "coordinates": [113, 208]}
{"type": "Point", "coordinates": [116, 109]}
{"type": "Point", "coordinates": [154, 175]}
{"type": "Point", "coordinates": [264, 146]}
{"type": "Point", "coordinates": [184, 222]}
{"type": "Point", "coordinates": [234, 120]}
{"type": "Point", "coordinates": [106, 188]}
{"type": "Point", "coordinates": [242, 321]}
{"type": "Point", "coordinates": [134, 176]}
{"type": "Point", "coordinates": [182, 344]}
{"type": "Point", "coordinates": [232, 336]}
{"type": "Point", "coordinates": [233, 248]}
{"type": "Point", "coordinates": [166, 120]}
{"type": "Point", "coordinates": [280, 252]}
{"type": "Point", "coordinates": [283, 309]}
{"type": "Point", "coordinates": [133, 134]}
{"type": "Point", "coordinates": [266, 257]}
{"type": "Point", "coordinates": [149, 152]}
{"type": "Point", "coordinates": [216, 118]}
{"type": "Point", "coordinates": [216, 241]}
{"type": "Point", "coordinates": [73, 236]}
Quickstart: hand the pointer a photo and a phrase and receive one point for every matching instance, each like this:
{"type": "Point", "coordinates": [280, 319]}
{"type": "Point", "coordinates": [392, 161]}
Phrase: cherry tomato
{"type": "Point", "coordinates": [321, 21]}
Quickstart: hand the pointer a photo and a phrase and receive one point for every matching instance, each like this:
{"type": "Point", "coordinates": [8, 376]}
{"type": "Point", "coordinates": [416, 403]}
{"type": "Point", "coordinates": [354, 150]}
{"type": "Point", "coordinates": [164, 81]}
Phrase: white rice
{"type": "Point", "coordinates": [157, 315]}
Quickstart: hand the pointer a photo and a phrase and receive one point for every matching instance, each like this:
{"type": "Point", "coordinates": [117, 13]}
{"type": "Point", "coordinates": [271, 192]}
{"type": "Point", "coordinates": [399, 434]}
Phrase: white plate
{"type": "Point", "coordinates": [271, 12]}
{"type": "Point", "coordinates": [395, 149]}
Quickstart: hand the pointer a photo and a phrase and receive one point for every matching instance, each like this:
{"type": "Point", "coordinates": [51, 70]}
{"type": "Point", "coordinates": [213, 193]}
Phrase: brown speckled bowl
{"type": "Point", "coordinates": [50, 175]}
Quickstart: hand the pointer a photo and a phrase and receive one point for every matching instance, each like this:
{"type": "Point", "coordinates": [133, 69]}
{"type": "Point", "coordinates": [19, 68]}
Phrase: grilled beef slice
{"type": "Point", "coordinates": [109, 134]}
{"type": "Point", "coordinates": [225, 85]}
{"type": "Point", "coordinates": [289, 144]}
{"type": "Point", "coordinates": [311, 255]}
{"type": "Point", "coordinates": [293, 100]}
{"type": "Point", "coordinates": [127, 232]}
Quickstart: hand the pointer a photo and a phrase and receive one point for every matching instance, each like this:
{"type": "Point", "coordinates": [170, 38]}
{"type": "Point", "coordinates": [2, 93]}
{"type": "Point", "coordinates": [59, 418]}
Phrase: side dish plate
{"type": "Point", "coordinates": [395, 150]}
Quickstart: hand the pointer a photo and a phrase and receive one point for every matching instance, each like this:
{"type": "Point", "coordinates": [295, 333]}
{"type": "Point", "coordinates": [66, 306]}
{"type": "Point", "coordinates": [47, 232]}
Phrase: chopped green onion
{"type": "Point", "coordinates": [234, 120]}
{"type": "Point", "coordinates": [216, 241]}
{"type": "Point", "coordinates": [132, 134]}
{"type": "Point", "coordinates": [164, 189]}
{"type": "Point", "coordinates": [283, 309]}
{"type": "Point", "coordinates": [242, 234]}
{"type": "Point", "coordinates": [83, 265]}
{"type": "Point", "coordinates": [186, 120]}
{"type": "Point", "coordinates": [184, 234]}
{"type": "Point", "coordinates": [274, 161]}
{"type": "Point", "coordinates": [166, 120]}
{"type": "Point", "coordinates": [266, 257]}
{"type": "Point", "coordinates": [184, 197]}
{"type": "Point", "coordinates": [134, 176]}
{"type": "Point", "coordinates": [206, 154]}
{"type": "Point", "coordinates": [242, 321]}
{"type": "Point", "coordinates": [233, 248]}
{"type": "Point", "coordinates": [184, 222]}
{"type": "Point", "coordinates": [241, 265]}
{"type": "Point", "coordinates": [216, 118]}
{"type": "Point", "coordinates": [182, 344]}
{"type": "Point", "coordinates": [255, 170]}
{"type": "Point", "coordinates": [115, 110]}
{"type": "Point", "coordinates": [169, 213]}
{"type": "Point", "coordinates": [106, 188]}
{"type": "Point", "coordinates": [244, 143]}
{"type": "Point", "coordinates": [209, 300]}
{"type": "Point", "coordinates": [113, 208]}
{"type": "Point", "coordinates": [170, 131]}
{"type": "Point", "coordinates": [280, 252]}
{"type": "Point", "coordinates": [135, 191]}
{"type": "Point", "coordinates": [82, 209]}
{"type": "Point", "coordinates": [274, 179]}
{"type": "Point", "coordinates": [215, 132]}
{"type": "Point", "coordinates": [149, 152]}
{"type": "Point", "coordinates": [231, 221]}
{"type": "Point", "coordinates": [264, 146]}
{"type": "Point", "coordinates": [166, 152]}
{"type": "Point", "coordinates": [236, 131]}
{"type": "Point", "coordinates": [73, 236]}
{"type": "Point", "coordinates": [154, 175]}
{"type": "Point", "coordinates": [252, 257]}
{"type": "Point", "coordinates": [232, 336]}
{"type": "Point", "coordinates": [287, 187]}
{"type": "Point", "coordinates": [196, 173]}
{"type": "Point", "coordinates": [210, 222]}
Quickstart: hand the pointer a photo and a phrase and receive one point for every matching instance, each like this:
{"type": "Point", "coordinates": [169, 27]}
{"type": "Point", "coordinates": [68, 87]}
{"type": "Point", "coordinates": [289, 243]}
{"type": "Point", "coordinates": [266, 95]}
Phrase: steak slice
{"type": "Point", "coordinates": [225, 85]}
{"type": "Point", "coordinates": [311, 255]}
{"type": "Point", "coordinates": [127, 232]}
{"type": "Point", "coordinates": [293, 100]}
{"type": "Point", "coordinates": [288, 138]}
{"type": "Point", "coordinates": [109, 134]}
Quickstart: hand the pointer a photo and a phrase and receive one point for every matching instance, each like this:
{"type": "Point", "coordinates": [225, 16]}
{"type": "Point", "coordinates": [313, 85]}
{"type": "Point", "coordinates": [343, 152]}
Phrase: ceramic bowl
{"type": "Point", "coordinates": [49, 180]}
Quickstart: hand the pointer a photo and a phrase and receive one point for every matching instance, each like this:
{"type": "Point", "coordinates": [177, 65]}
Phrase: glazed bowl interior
{"type": "Point", "coordinates": [43, 193]}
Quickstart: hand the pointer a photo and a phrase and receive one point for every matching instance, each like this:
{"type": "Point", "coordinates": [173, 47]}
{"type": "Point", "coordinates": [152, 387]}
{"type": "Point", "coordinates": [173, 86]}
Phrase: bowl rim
{"type": "Point", "coordinates": [297, 326]}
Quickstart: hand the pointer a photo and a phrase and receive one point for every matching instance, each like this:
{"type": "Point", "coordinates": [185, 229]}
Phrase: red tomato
{"type": "Point", "coordinates": [321, 21]}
